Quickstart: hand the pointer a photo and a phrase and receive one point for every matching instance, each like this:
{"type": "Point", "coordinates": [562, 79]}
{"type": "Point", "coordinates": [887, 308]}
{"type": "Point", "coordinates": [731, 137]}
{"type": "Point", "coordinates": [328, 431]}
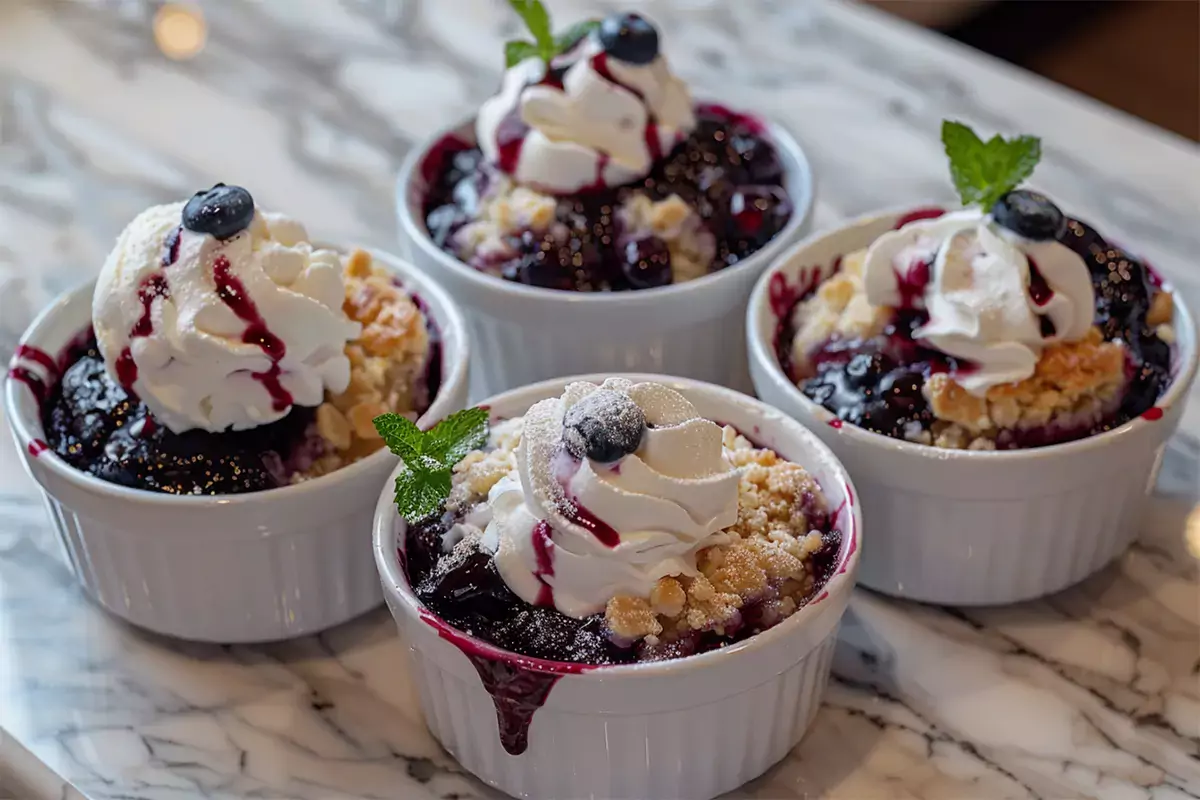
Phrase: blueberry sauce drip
{"type": "Point", "coordinates": [877, 383]}
{"type": "Point", "coordinates": [726, 170]}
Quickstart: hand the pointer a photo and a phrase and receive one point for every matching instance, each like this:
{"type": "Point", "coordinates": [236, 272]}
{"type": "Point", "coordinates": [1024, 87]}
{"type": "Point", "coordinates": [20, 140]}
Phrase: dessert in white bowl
{"type": "Point", "coordinates": [993, 424]}
{"type": "Point", "coordinates": [613, 551]}
{"type": "Point", "coordinates": [190, 430]}
{"type": "Point", "coordinates": [592, 189]}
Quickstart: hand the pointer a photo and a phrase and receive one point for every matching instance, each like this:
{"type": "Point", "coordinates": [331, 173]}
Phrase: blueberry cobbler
{"type": "Point", "coordinates": [592, 170]}
{"type": "Point", "coordinates": [229, 354]}
{"type": "Point", "coordinates": [614, 525]}
{"type": "Point", "coordinates": [1001, 326]}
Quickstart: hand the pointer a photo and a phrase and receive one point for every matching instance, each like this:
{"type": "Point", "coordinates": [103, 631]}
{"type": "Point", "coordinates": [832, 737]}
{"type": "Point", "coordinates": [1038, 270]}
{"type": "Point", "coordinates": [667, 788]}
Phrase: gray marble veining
{"type": "Point", "coordinates": [312, 104]}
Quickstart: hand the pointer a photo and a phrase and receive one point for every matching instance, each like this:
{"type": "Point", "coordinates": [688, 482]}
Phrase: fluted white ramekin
{"type": "Point", "coordinates": [524, 334]}
{"type": "Point", "coordinates": [239, 568]}
{"type": "Point", "coordinates": [972, 528]}
{"type": "Point", "coordinates": [689, 728]}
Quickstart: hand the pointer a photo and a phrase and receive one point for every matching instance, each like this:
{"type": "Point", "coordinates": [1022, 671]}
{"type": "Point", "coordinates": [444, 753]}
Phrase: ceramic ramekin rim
{"type": "Point", "coordinates": [454, 380]}
{"type": "Point", "coordinates": [836, 590]}
{"type": "Point", "coordinates": [762, 351]}
{"type": "Point", "coordinates": [802, 200]}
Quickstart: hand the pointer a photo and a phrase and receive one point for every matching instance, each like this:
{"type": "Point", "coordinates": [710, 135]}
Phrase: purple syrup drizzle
{"type": "Point", "coordinates": [918, 214]}
{"type": "Point", "coordinates": [39, 357]}
{"type": "Point", "coordinates": [542, 544]}
{"type": "Point", "coordinates": [911, 284]}
{"type": "Point", "coordinates": [234, 295]}
{"type": "Point", "coordinates": [510, 138]}
{"type": "Point", "coordinates": [153, 286]}
{"type": "Point", "coordinates": [565, 467]}
{"type": "Point", "coordinates": [1039, 291]}
{"type": "Point", "coordinates": [33, 382]}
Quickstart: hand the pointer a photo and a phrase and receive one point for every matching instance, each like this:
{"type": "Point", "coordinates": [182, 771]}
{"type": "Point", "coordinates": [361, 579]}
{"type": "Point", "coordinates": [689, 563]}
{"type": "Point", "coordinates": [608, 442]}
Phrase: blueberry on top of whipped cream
{"type": "Point", "coordinates": [1003, 325]}
{"type": "Point", "coordinates": [592, 169]}
{"type": "Point", "coordinates": [613, 524]}
{"type": "Point", "coordinates": [228, 354]}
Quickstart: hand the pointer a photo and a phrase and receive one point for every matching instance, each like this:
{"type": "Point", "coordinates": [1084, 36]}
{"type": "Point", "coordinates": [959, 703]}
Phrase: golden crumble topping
{"type": "Point", "coordinates": [765, 555]}
{"type": "Point", "coordinates": [387, 364]}
{"type": "Point", "coordinates": [1076, 382]}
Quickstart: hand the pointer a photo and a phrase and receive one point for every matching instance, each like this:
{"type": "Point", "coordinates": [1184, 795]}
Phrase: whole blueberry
{"type": "Point", "coordinates": [605, 426]}
{"type": "Point", "coordinates": [1029, 214]}
{"type": "Point", "coordinates": [223, 211]}
{"type": "Point", "coordinates": [647, 263]}
{"type": "Point", "coordinates": [629, 37]}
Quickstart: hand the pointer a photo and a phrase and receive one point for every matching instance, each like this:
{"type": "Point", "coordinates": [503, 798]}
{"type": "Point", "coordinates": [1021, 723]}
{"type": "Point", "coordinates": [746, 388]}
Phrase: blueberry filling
{"type": "Point", "coordinates": [102, 429]}
{"type": "Point", "coordinates": [222, 211]}
{"type": "Point", "coordinates": [726, 170]}
{"type": "Point", "coordinates": [466, 591]}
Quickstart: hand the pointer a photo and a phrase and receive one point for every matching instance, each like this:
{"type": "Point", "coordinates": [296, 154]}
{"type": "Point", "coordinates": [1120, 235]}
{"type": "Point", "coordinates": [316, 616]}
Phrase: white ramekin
{"type": "Point", "coordinates": [524, 334]}
{"type": "Point", "coordinates": [690, 728]}
{"type": "Point", "coordinates": [972, 528]}
{"type": "Point", "coordinates": [241, 568]}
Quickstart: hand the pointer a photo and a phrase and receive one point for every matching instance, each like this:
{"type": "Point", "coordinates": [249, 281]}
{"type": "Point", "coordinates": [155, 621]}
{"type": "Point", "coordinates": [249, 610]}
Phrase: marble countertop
{"type": "Point", "coordinates": [1094, 692]}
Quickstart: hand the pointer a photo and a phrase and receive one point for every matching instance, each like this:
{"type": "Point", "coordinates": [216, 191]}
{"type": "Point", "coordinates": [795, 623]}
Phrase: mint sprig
{"type": "Point", "coordinates": [429, 456]}
{"type": "Point", "coordinates": [545, 45]}
{"type": "Point", "coordinates": [983, 172]}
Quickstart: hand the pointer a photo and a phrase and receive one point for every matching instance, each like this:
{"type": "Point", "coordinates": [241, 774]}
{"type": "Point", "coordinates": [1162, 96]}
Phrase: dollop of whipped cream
{"type": "Point", "coordinates": [995, 299]}
{"type": "Point", "coordinates": [601, 122]}
{"type": "Point", "coordinates": [222, 334]}
{"type": "Point", "coordinates": [573, 533]}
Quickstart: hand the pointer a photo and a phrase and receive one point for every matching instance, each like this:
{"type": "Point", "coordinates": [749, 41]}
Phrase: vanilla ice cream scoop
{"type": "Point", "coordinates": [599, 115]}
{"type": "Point", "coordinates": [995, 298]}
{"type": "Point", "coordinates": [219, 316]}
{"type": "Point", "coordinates": [617, 486]}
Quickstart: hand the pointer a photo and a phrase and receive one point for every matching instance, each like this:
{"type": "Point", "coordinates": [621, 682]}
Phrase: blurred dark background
{"type": "Point", "coordinates": [1141, 56]}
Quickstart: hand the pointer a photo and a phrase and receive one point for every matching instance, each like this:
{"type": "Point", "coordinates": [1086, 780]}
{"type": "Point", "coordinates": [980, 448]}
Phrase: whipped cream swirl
{"type": "Point", "coordinates": [590, 120]}
{"type": "Point", "coordinates": [995, 299]}
{"type": "Point", "coordinates": [218, 334]}
{"type": "Point", "coordinates": [573, 533]}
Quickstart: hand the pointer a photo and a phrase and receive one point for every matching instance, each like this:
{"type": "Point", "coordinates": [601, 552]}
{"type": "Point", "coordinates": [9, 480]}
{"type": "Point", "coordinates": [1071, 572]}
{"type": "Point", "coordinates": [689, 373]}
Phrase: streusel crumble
{"type": "Point", "coordinates": [388, 366]}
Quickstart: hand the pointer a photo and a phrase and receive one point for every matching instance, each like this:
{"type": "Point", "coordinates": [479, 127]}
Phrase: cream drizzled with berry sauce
{"type": "Point", "coordinates": [222, 322]}
{"type": "Point", "coordinates": [599, 115]}
{"type": "Point", "coordinates": [993, 299]}
{"type": "Point", "coordinates": [617, 486]}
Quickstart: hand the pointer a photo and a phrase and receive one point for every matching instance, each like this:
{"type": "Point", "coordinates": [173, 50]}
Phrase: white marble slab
{"type": "Point", "coordinates": [312, 104]}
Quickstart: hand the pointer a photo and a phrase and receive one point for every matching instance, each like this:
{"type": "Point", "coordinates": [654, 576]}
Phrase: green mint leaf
{"type": "Point", "coordinates": [983, 172]}
{"type": "Point", "coordinates": [421, 488]}
{"type": "Point", "coordinates": [537, 20]}
{"type": "Point", "coordinates": [518, 50]}
{"type": "Point", "coordinates": [429, 456]}
{"type": "Point", "coordinates": [401, 435]}
{"type": "Point", "coordinates": [572, 35]}
{"type": "Point", "coordinates": [458, 434]}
